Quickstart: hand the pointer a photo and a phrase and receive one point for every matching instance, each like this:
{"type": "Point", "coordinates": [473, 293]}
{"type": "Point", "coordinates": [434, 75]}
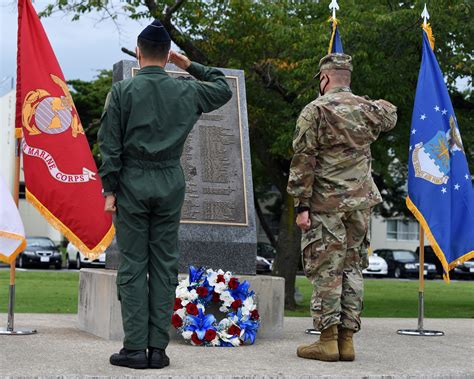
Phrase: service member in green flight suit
{"type": "Point", "coordinates": [143, 130]}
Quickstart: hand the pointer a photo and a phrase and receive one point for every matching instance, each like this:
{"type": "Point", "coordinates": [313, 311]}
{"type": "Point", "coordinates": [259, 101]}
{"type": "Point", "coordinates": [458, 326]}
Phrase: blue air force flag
{"type": "Point", "coordinates": [440, 192]}
{"type": "Point", "coordinates": [335, 46]}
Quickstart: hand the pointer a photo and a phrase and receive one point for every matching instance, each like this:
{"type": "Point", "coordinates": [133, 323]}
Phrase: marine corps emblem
{"type": "Point", "coordinates": [43, 113]}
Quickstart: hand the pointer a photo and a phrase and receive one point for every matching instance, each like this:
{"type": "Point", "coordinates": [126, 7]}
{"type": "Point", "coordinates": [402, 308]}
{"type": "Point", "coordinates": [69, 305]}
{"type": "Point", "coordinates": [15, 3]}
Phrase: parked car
{"type": "Point", "coordinates": [430, 257]}
{"type": "Point", "coordinates": [465, 270]}
{"type": "Point", "coordinates": [263, 265]}
{"type": "Point", "coordinates": [404, 263]}
{"type": "Point", "coordinates": [76, 260]}
{"type": "Point", "coordinates": [266, 251]}
{"type": "Point", "coordinates": [40, 251]}
{"type": "Point", "coordinates": [377, 266]}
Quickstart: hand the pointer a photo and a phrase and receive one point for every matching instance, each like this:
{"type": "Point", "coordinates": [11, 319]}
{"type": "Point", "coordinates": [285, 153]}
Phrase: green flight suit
{"type": "Point", "coordinates": [143, 130]}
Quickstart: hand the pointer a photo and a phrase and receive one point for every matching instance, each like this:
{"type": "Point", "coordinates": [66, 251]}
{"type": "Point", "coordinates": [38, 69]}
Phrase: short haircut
{"type": "Point", "coordinates": [339, 76]}
{"type": "Point", "coordinates": [153, 50]}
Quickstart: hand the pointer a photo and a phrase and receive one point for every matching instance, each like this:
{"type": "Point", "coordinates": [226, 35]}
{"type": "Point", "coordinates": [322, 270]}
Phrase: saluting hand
{"type": "Point", "coordinates": [303, 221]}
{"type": "Point", "coordinates": [179, 60]}
{"type": "Point", "coordinates": [110, 204]}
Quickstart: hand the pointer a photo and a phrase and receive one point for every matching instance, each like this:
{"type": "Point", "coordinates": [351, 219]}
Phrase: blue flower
{"type": "Point", "coordinates": [242, 291]}
{"type": "Point", "coordinates": [248, 326]}
{"type": "Point", "coordinates": [195, 274]}
{"type": "Point", "coordinates": [250, 329]}
{"type": "Point", "coordinates": [200, 324]}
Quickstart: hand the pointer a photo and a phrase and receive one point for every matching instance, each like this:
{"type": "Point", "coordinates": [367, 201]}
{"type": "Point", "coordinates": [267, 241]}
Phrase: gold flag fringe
{"type": "Point", "coordinates": [334, 26]}
{"type": "Point", "coordinates": [434, 244]}
{"type": "Point", "coordinates": [91, 254]}
{"type": "Point", "coordinates": [429, 33]}
{"type": "Point", "coordinates": [10, 258]}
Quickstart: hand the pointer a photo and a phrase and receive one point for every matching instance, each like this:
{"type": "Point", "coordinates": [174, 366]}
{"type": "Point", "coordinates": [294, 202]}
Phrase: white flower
{"type": "Point", "coordinates": [215, 341]}
{"type": "Point", "coordinates": [223, 309]}
{"type": "Point", "coordinates": [187, 335]}
{"type": "Point", "coordinates": [201, 307]}
{"type": "Point", "coordinates": [193, 295]}
{"type": "Point", "coordinates": [181, 312]}
{"type": "Point", "coordinates": [226, 298]}
{"type": "Point", "coordinates": [220, 287]}
{"type": "Point", "coordinates": [184, 302]}
{"type": "Point", "coordinates": [224, 324]}
{"type": "Point", "coordinates": [227, 276]}
{"type": "Point", "coordinates": [182, 292]}
{"type": "Point", "coordinates": [248, 306]}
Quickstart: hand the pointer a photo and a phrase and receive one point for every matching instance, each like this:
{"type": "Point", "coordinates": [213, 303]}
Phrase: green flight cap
{"type": "Point", "coordinates": [335, 61]}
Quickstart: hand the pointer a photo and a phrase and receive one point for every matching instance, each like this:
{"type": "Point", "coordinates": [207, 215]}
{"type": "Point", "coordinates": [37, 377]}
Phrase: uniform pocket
{"type": "Point", "coordinates": [122, 280]}
{"type": "Point", "coordinates": [174, 281]}
{"type": "Point", "coordinates": [314, 246]}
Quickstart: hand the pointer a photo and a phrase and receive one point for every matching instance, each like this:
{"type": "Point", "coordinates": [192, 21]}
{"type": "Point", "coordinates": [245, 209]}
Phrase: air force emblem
{"type": "Point", "coordinates": [432, 160]}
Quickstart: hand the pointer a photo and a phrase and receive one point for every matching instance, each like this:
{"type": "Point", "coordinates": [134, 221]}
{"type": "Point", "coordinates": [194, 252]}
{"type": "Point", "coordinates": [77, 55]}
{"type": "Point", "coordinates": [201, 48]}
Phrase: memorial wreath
{"type": "Point", "coordinates": [235, 299]}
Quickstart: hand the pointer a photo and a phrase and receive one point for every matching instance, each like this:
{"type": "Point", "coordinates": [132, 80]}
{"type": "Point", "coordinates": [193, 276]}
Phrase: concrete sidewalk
{"type": "Point", "coordinates": [62, 350]}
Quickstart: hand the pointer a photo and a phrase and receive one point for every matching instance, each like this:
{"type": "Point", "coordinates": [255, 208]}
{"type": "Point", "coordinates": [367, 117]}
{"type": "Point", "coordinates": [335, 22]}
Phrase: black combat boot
{"type": "Point", "coordinates": [157, 358]}
{"type": "Point", "coordinates": [130, 358]}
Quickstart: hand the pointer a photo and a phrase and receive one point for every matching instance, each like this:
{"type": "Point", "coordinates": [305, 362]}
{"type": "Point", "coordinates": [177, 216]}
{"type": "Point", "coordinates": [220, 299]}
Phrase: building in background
{"type": "Point", "coordinates": [394, 233]}
{"type": "Point", "coordinates": [35, 224]}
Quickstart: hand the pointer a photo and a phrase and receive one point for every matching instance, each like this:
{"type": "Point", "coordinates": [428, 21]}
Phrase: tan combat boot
{"type": "Point", "coordinates": [325, 349]}
{"type": "Point", "coordinates": [346, 344]}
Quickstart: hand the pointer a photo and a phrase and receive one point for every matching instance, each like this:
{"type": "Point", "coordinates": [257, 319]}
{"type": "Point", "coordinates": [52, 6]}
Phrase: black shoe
{"type": "Point", "coordinates": [157, 358]}
{"type": "Point", "coordinates": [130, 358]}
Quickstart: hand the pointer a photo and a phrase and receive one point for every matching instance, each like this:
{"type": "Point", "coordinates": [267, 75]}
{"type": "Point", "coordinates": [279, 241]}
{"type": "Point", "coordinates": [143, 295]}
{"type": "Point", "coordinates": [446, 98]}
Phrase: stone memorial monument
{"type": "Point", "coordinates": [218, 219]}
{"type": "Point", "coordinates": [218, 225]}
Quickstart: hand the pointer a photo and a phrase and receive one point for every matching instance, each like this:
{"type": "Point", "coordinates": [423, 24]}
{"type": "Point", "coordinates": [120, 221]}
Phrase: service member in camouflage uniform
{"type": "Point", "coordinates": [331, 182]}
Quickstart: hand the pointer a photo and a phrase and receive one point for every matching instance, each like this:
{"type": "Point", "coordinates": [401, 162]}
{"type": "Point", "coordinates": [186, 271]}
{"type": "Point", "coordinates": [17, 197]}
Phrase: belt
{"type": "Point", "coordinates": [150, 164]}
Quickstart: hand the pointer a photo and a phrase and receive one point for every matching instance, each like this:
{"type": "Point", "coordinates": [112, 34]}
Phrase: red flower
{"type": "Point", "coordinates": [210, 335]}
{"type": "Point", "coordinates": [202, 291]}
{"type": "Point", "coordinates": [176, 321]}
{"type": "Point", "coordinates": [220, 278]}
{"type": "Point", "coordinates": [234, 330]}
{"type": "Point", "coordinates": [192, 309]}
{"type": "Point", "coordinates": [236, 304]}
{"type": "Point", "coordinates": [195, 339]}
{"type": "Point", "coordinates": [254, 315]}
{"type": "Point", "coordinates": [233, 283]}
{"type": "Point", "coordinates": [177, 304]}
{"type": "Point", "coordinates": [216, 297]}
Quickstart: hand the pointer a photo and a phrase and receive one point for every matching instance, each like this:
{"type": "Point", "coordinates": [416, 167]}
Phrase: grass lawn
{"type": "Point", "coordinates": [41, 292]}
{"type": "Point", "coordinates": [56, 292]}
{"type": "Point", "coordinates": [399, 298]}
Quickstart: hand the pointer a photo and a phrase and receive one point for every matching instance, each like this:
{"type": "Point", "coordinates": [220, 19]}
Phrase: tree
{"type": "Point", "coordinates": [89, 98]}
{"type": "Point", "coordinates": [279, 44]}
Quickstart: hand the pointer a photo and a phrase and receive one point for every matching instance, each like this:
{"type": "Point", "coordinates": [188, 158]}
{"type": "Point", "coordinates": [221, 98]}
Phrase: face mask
{"type": "Point", "coordinates": [322, 87]}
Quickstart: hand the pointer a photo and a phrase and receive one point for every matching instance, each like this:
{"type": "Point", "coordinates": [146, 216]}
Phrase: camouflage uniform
{"type": "Point", "coordinates": [331, 176]}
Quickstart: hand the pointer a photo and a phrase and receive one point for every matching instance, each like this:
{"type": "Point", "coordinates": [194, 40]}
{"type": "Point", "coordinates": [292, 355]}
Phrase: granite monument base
{"type": "Point", "coordinates": [99, 309]}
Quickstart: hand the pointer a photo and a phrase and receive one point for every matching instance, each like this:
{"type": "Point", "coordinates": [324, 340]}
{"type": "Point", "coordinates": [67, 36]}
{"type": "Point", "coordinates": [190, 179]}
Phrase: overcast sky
{"type": "Point", "coordinates": [82, 47]}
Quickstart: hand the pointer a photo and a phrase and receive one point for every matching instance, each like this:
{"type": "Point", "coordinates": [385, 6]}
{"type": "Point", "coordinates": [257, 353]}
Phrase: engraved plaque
{"type": "Point", "coordinates": [218, 227]}
{"type": "Point", "coordinates": [213, 164]}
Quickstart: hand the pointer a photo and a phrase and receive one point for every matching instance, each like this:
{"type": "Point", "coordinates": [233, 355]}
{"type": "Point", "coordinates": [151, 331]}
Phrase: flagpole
{"type": "Point", "coordinates": [333, 6]}
{"type": "Point", "coordinates": [10, 330]}
{"type": "Point", "coordinates": [420, 331]}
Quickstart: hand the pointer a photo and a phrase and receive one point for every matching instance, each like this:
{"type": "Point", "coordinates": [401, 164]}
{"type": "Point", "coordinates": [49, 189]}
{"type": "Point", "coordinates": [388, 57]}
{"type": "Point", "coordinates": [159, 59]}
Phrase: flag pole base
{"type": "Point", "coordinates": [420, 332]}
{"type": "Point", "coordinates": [17, 332]}
{"type": "Point", "coordinates": [313, 332]}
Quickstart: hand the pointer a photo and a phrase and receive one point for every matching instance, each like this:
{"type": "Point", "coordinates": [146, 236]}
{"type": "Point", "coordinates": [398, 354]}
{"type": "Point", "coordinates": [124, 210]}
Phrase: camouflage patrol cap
{"type": "Point", "coordinates": [335, 61]}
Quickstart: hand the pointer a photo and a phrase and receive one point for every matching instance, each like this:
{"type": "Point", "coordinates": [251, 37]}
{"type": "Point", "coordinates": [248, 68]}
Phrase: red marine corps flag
{"type": "Point", "coordinates": [60, 173]}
